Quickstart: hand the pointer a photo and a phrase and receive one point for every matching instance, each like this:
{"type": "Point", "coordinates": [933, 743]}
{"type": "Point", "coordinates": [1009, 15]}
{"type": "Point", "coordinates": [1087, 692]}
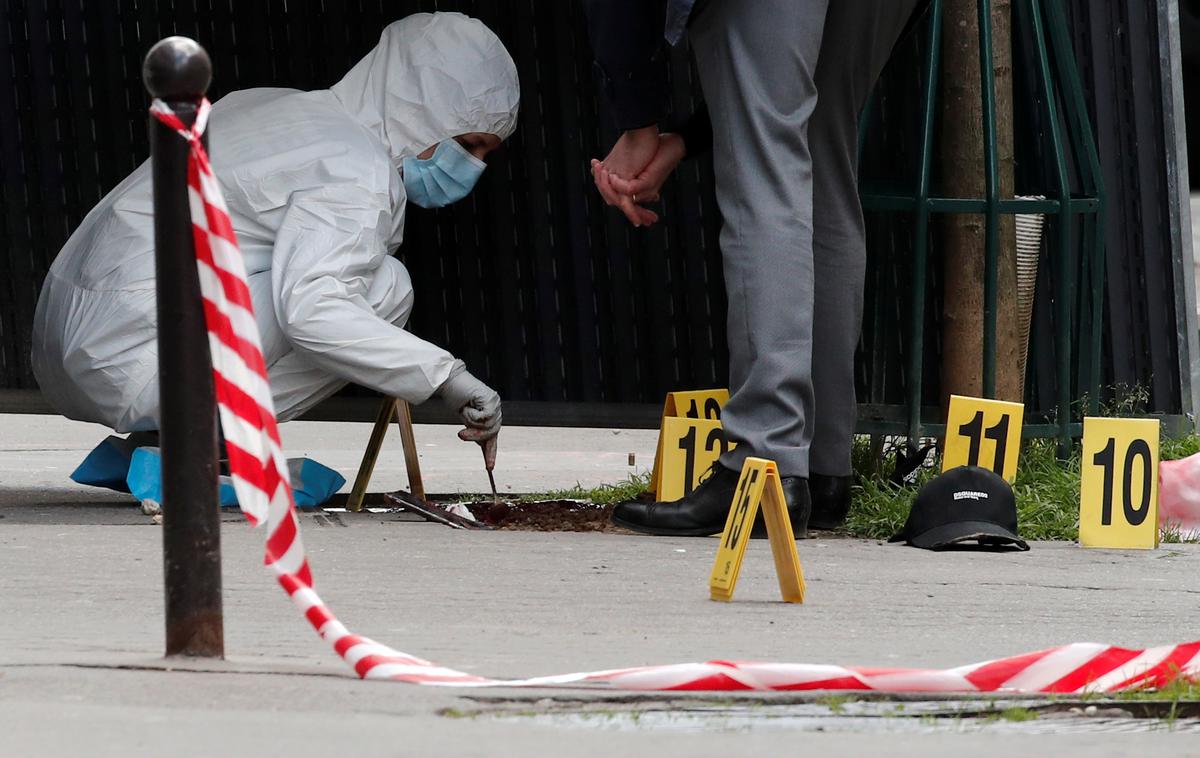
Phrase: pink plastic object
{"type": "Point", "coordinates": [1179, 494]}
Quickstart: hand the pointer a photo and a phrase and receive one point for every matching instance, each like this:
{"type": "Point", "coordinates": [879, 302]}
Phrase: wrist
{"type": "Point", "coordinates": [456, 390]}
{"type": "Point", "coordinates": [643, 136]}
{"type": "Point", "coordinates": [676, 146]}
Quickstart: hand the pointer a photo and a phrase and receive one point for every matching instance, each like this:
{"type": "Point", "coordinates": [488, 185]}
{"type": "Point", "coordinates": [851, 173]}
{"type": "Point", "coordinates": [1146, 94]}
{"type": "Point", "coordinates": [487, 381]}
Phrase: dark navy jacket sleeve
{"type": "Point", "coordinates": [631, 59]}
{"type": "Point", "coordinates": [696, 131]}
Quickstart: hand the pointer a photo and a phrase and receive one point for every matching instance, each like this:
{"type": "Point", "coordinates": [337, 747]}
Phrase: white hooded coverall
{"type": "Point", "coordinates": [314, 190]}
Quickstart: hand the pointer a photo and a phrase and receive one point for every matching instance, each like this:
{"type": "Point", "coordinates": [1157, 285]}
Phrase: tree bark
{"type": "Point", "coordinates": [964, 236]}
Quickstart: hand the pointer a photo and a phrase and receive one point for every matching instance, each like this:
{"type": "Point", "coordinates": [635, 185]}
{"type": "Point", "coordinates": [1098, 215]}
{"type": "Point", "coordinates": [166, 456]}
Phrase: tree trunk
{"type": "Point", "coordinates": [964, 236]}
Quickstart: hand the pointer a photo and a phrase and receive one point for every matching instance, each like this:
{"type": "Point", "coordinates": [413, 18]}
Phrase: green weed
{"type": "Point", "coordinates": [1047, 491]}
{"type": "Point", "coordinates": [1017, 715]}
{"type": "Point", "coordinates": [837, 703]}
{"type": "Point", "coordinates": [1181, 690]}
{"type": "Point", "coordinates": [605, 494]}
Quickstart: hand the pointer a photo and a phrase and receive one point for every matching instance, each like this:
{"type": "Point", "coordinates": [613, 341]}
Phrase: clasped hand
{"type": "Point", "coordinates": [633, 174]}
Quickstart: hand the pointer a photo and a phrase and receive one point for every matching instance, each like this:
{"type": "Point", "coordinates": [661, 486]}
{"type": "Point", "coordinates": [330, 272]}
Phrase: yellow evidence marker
{"type": "Point", "coordinates": [699, 405]}
{"type": "Point", "coordinates": [690, 448]}
{"type": "Point", "coordinates": [985, 433]}
{"type": "Point", "coordinates": [1118, 494]}
{"type": "Point", "coordinates": [759, 484]}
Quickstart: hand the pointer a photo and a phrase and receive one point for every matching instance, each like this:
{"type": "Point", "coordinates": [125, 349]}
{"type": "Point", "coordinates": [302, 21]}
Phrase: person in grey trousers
{"type": "Point", "coordinates": [784, 82]}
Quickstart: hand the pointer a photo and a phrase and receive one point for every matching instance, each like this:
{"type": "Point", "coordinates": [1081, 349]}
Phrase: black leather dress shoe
{"type": "Point", "coordinates": [705, 510]}
{"type": "Point", "coordinates": [830, 500]}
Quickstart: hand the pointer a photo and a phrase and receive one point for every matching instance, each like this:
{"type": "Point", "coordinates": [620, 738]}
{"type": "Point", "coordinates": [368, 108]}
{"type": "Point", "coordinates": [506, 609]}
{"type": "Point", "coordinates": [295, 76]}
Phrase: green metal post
{"type": "Point", "coordinates": [1064, 272]}
{"type": "Point", "coordinates": [1099, 266]}
{"type": "Point", "coordinates": [1080, 125]}
{"type": "Point", "coordinates": [991, 170]}
{"type": "Point", "coordinates": [916, 357]}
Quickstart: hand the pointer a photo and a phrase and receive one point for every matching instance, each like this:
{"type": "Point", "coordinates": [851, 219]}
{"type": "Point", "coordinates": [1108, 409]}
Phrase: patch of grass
{"type": "Point", "coordinates": [605, 494]}
{"type": "Point", "coordinates": [895, 712]}
{"type": "Point", "coordinates": [1047, 491]}
{"type": "Point", "coordinates": [880, 508]}
{"type": "Point", "coordinates": [1173, 534]}
{"type": "Point", "coordinates": [1126, 400]}
{"type": "Point", "coordinates": [1014, 714]}
{"type": "Point", "coordinates": [837, 703]}
{"type": "Point", "coordinates": [1179, 447]}
{"type": "Point", "coordinates": [1180, 690]}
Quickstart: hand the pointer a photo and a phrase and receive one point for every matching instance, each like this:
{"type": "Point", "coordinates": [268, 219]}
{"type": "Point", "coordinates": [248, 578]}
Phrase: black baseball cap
{"type": "Point", "coordinates": [964, 504]}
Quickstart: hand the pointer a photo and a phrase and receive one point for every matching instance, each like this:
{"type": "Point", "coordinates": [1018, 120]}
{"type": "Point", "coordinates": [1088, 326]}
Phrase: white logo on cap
{"type": "Point", "coordinates": [970, 495]}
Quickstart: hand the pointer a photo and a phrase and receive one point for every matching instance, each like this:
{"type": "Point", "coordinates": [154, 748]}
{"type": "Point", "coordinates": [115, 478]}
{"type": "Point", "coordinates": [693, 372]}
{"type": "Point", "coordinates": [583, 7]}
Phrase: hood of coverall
{"type": "Point", "coordinates": [433, 76]}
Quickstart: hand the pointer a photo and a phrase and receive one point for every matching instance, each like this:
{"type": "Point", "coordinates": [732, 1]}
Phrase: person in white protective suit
{"type": "Point", "coordinates": [316, 184]}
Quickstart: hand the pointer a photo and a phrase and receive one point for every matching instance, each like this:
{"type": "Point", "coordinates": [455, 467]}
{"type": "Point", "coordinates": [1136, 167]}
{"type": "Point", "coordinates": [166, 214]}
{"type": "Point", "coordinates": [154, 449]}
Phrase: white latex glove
{"type": "Point", "coordinates": [476, 404]}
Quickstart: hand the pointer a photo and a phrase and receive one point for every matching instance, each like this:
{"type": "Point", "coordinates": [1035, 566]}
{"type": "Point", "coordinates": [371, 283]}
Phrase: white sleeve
{"type": "Point", "coordinates": [330, 245]}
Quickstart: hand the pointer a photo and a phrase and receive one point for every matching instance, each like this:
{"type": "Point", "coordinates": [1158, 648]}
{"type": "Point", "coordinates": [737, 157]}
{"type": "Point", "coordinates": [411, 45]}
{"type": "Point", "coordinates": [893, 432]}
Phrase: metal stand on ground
{"type": "Point", "coordinates": [178, 71]}
{"type": "Point", "coordinates": [402, 412]}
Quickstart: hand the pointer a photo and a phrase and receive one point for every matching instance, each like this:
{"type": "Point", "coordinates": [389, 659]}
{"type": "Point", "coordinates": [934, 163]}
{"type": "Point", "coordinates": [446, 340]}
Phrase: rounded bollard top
{"type": "Point", "coordinates": [177, 68]}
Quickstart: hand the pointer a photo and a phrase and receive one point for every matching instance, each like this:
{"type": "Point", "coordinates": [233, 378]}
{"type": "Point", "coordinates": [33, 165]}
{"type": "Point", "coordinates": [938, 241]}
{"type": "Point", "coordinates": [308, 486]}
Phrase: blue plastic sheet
{"type": "Point", "coordinates": [312, 483]}
{"type": "Point", "coordinates": [122, 465]}
{"type": "Point", "coordinates": [107, 465]}
{"type": "Point", "coordinates": [145, 478]}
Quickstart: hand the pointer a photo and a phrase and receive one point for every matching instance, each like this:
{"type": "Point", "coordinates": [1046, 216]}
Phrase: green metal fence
{"type": "Point", "coordinates": [1078, 257]}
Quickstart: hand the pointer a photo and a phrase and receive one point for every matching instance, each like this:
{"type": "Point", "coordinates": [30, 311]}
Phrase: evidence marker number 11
{"type": "Point", "coordinates": [984, 433]}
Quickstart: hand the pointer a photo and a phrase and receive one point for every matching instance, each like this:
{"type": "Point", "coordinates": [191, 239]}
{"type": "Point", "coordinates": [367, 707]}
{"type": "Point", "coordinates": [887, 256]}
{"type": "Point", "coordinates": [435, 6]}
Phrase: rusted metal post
{"type": "Point", "coordinates": [412, 464]}
{"type": "Point", "coordinates": [178, 71]}
{"type": "Point", "coordinates": [358, 493]}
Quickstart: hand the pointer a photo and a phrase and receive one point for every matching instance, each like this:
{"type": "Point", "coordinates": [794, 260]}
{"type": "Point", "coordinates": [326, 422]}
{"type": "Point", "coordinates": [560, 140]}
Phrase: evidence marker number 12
{"type": "Point", "coordinates": [690, 440]}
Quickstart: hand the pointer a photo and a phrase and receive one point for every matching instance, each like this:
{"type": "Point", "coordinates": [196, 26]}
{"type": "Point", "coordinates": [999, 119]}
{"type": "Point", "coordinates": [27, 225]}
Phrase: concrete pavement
{"type": "Point", "coordinates": [80, 585]}
{"type": "Point", "coordinates": [38, 453]}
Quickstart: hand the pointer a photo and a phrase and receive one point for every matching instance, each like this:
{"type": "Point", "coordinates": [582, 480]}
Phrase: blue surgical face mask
{"type": "Point", "coordinates": [446, 177]}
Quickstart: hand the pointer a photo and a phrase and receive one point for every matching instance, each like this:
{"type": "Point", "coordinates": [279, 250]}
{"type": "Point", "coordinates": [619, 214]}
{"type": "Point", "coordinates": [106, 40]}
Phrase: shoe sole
{"type": "Point", "coordinates": [826, 526]}
{"type": "Point", "coordinates": [761, 534]}
{"type": "Point", "coordinates": [642, 529]}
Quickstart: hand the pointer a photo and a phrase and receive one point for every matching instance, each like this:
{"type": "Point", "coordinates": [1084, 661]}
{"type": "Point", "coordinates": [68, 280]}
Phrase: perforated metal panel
{"type": "Point", "coordinates": [543, 291]}
{"type": "Point", "coordinates": [530, 280]}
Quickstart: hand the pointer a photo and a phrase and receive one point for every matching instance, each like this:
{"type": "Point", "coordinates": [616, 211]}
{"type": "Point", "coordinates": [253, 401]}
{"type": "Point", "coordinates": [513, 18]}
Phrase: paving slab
{"type": "Point", "coordinates": [518, 604]}
{"type": "Point", "coordinates": [67, 712]}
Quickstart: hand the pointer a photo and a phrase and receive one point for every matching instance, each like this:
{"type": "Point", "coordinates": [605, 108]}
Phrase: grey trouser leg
{"type": "Point", "coordinates": [758, 62]}
{"type": "Point", "coordinates": [865, 32]}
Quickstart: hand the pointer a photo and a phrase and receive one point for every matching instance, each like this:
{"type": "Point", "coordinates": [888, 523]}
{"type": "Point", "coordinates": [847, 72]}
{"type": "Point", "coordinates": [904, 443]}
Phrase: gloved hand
{"type": "Point", "coordinates": [476, 404]}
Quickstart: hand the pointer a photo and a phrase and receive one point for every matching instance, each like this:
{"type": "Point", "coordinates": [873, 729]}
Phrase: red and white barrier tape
{"type": "Point", "coordinates": [260, 476]}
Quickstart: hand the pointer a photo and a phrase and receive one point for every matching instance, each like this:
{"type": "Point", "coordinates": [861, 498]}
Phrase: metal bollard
{"type": "Point", "coordinates": [177, 70]}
